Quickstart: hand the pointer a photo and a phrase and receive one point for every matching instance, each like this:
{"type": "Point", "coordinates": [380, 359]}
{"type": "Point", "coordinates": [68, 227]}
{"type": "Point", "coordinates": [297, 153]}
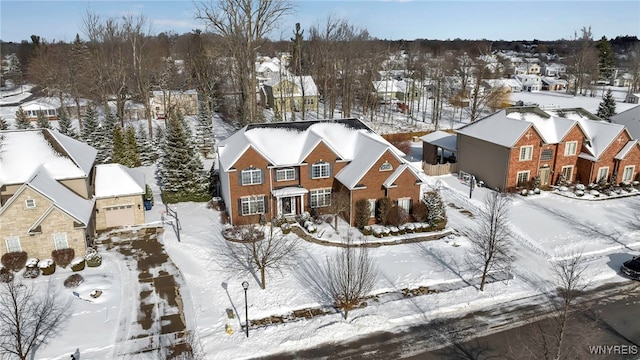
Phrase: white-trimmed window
{"type": "Point", "coordinates": [567, 173]}
{"type": "Point", "coordinates": [526, 152]}
{"type": "Point", "coordinates": [30, 203]}
{"type": "Point", "coordinates": [13, 244]}
{"type": "Point", "coordinates": [386, 166]}
{"type": "Point", "coordinates": [252, 205]}
{"type": "Point", "coordinates": [522, 178]}
{"type": "Point", "coordinates": [308, 101]}
{"type": "Point", "coordinates": [405, 203]}
{"type": "Point", "coordinates": [285, 174]}
{"type": "Point", "coordinates": [251, 176]}
{"type": "Point", "coordinates": [320, 170]}
{"type": "Point", "coordinates": [570, 148]}
{"type": "Point", "coordinates": [603, 173]}
{"type": "Point", "coordinates": [372, 207]}
{"type": "Point", "coordinates": [320, 197]}
{"type": "Point", "coordinates": [60, 241]}
{"type": "Point", "coordinates": [627, 173]}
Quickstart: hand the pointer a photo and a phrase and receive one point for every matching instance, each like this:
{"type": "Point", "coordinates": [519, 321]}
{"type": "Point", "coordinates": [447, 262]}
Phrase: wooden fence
{"type": "Point", "coordinates": [440, 169]}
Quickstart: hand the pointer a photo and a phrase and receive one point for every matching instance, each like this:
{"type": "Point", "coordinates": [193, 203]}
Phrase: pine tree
{"type": "Point", "coordinates": [42, 122]}
{"type": "Point", "coordinates": [22, 122]}
{"type": "Point", "coordinates": [132, 159]}
{"type": "Point", "coordinates": [104, 137]}
{"type": "Point", "coordinates": [159, 139]}
{"type": "Point", "coordinates": [436, 215]}
{"type": "Point", "coordinates": [145, 149]}
{"type": "Point", "coordinates": [89, 132]}
{"type": "Point", "coordinates": [607, 107]}
{"type": "Point", "coordinates": [182, 174]}
{"type": "Point", "coordinates": [64, 124]}
{"type": "Point", "coordinates": [118, 151]}
{"type": "Point", "coordinates": [204, 132]}
{"type": "Point", "coordinates": [3, 124]}
{"type": "Point", "coordinates": [606, 58]}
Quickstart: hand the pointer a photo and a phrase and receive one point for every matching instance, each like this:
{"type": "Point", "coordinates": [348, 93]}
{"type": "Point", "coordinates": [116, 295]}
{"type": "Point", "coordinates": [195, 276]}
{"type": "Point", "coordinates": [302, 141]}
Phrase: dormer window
{"type": "Point", "coordinates": [30, 203]}
{"type": "Point", "coordinates": [386, 166]}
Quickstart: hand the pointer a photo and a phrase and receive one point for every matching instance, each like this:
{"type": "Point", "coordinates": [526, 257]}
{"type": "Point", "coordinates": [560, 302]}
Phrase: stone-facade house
{"type": "Point", "coordinates": [284, 169]}
{"type": "Point", "coordinates": [47, 186]}
{"type": "Point", "coordinates": [569, 145]}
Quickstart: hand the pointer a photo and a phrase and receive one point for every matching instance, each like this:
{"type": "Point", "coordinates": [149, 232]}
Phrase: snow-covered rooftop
{"type": "Point", "coordinates": [442, 139]}
{"type": "Point", "coordinates": [497, 128]}
{"type": "Point", "coordinates": [118, 180]}
{"type": "Point", "coordinates": [630, 119]}
{"type": "Point", "coordinates": [305, 83]}
{"type": "Point", "coordinates": [22, 152]}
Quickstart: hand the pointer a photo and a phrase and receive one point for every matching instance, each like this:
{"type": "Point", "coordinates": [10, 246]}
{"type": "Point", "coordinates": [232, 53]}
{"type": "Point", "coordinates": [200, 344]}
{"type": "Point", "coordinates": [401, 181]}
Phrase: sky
{"type": "Point", "coordinates": [391, 19]}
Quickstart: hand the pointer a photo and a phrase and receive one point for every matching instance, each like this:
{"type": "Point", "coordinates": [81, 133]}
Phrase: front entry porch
{"type": "Point", "coordinates": [289, 200]}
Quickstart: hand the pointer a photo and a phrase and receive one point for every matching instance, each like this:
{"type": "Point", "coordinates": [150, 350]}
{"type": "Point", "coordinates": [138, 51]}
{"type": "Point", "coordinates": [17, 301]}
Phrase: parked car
{"type": "Point", "coordinates": [631, 268]}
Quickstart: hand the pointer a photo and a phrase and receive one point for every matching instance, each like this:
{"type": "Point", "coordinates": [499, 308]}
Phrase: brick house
{"type": "Point", "coordinates": [47, 185]}
{"type": "Point", "coordinates": [284, 169]}
{"type": "Point", "coordinates": [569, 144]}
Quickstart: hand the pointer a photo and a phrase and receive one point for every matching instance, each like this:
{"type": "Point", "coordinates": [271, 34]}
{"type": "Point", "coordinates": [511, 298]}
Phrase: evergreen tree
{"type": "Point", "coordinates": [606, 58]}
{"type": "Point", "coordinates": [159, 139]}
{"type": "Point", "coordinates": [104, 137]}
{"type": "Point", "coordinates": [436, 215]}
{"type": "Point", "coordinates": [89, 132]}
{"type": "Point", "coordinates": [119, 146]}
{"type": "Point", "coordinates": [64, 124]}
{"type": "Point", "coordinates": [22, 122]}
{"type": "Point", "coordinates": [42, 122]}
{"type": "Point", "coordinates": [132, 159]}
{"type": "Point", "coordinates": [607, 107]}
{"type": "Point", "coordinates": [3, 124]}
{"type": "Point", "coordinates": [182, 174]}
{"type": "Point", "coordinates": [145, 149]}
{"type": "Point", "coordinates": [204, 132]}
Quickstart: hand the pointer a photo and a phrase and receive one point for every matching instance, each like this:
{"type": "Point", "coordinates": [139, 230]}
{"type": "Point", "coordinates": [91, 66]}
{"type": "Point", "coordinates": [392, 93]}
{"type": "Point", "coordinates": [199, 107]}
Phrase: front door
{"type": "Point", "coordinates": [544, 176]}
{"type": "Point", "coordinates": [288, 205]}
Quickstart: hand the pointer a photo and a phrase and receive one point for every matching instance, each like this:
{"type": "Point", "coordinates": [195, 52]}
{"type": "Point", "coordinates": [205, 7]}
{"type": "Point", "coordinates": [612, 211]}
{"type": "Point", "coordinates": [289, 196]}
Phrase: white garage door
{"type": "Point", "coordinates": [119, 215]}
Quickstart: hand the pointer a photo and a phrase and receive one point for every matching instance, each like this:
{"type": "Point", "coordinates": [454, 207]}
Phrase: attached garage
{"type": "Point", "coordinates": [121, 215]}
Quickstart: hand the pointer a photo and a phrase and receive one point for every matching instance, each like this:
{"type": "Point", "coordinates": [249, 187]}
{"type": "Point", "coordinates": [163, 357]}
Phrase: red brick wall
{"type": "Point", "coordinates": [250, 158]}
{"type": "Point", "coordinates": [561, 160]}
{"type": "Point", "coordinates": [608, 159]}
{"type": "Point", "coordinates": [632, 158]}
{"type": "Point", "coordinates": [515, 165]}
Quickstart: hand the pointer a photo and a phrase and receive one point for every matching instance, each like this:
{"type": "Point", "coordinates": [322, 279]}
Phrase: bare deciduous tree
{"type": "Point", "coordinates": [340, 202]}
{"type": "Point", "coordinates": [244, 25]}
{"type": "Point", "coordinates": [491, 239]}
{"type": "Point", "coordinates": [257, 250]}
{"type": "Point", "coordinates": [29, 318]}
{"type": "Point", "coordinates": [351, 275]}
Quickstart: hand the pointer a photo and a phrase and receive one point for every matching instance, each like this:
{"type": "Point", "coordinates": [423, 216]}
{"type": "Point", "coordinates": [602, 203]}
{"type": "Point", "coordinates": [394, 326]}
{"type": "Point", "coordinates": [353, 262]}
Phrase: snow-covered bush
{"type": "Point", "coordinates": [394, 230]}
{"type": "Point", "coordinates": [579, 193]}
{"type": "Point", "coordinates": [409, 228]}
{"type": "Point", "coordinates": [286, 228]}
{"type": "Point", "coordinates": [92, 258]}
{"type": "Point", "coordinates": [563, 188]}
{"type": "Point", "coordinates": [31, 271]}
{"type": "Point", "coordinates": [6, 275]}
{"type": "Point", "coordinates": [524, 192]}
{"type": "Point", "coordinates": [367, 230]}
{"type": "Point", "coordinates": [377, 232]}
{"type": "Point", "coordinates": [47, 266]}
{"type": "Point", "coordinates": [311, 229]}
{"type": "Point", "coordinates": [386, 231]}
{"type": "Point", "coordinates": [73, 281]}
{"type": "Point", "coordinates": [580, 187]}
{"type": "Point", "coordinates": [77, 264]}
{"type": "Point", "coordinates": [536, 191]}
{"type": "Point", "coordinates": [531, 193]}
{"type": "Point", "coordinates": [594, 193]}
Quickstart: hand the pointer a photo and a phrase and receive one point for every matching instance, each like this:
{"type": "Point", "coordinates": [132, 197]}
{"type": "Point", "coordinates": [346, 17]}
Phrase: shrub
{"type": "Point", "coordinates": [31, 272]}
{"type": "Point", "coordinates": [394, 230]}
{"type": "Point", "coordinates": [396, 216]}
{"type": "Point", "coordinates": [401, 230]}
{"type": "Point", "coordinates": [286, 228]}
{"type": "Point", "coordinates": [47, 266]}
{"type": "Point", "coordinates": [63, 257]}
{"type": "Point", "coordinates": [436, 213]}
{"type": "Point", "coordinates": [384, 204]}
{"type": "Point", "coordinates": [363, 213]}
{"type": "Point", "coordinates": [14, 260]}
{"type": "Point", "coordinates": [420, 211]}
{"type": "Point", "coordinates": [524, 192]}
{"type": "Point", "coordinates": [77, 264]}
{"type": "Point", "coordinates": [409, 228]}
{"type": "Point", "coordinates": [367, 230]}
{"type": "Point", "coordinates": [92, 258]}
{"type": "Point", "coordinates": [6, 275]}
{"type": "Point", "coordinates": [73, 281]}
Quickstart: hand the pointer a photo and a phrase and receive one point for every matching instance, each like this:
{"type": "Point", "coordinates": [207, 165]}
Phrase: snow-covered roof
{"type": "Point", "coordinates": [511, 83]}
{"type": "Point", "coordinates": [552, 128]}
{"type": "Point", "coordinates": [118, 180]}
{"type": "Point", "coordinates": [161, 93]}
{"type": "Point", "coordinates": [390, 86]}
{"type": "Point", "coordinates": [389, 182]}
{"type": "Point", "coordinates": [350, 139]}
{"type": "Point", "coordinates": [442, 139]}
{"type": "Point", "coordinates": [601, 134]}
{"type": "Point", "coordinates": [630, 119]}
{"type": "Point", "coordinates": [302, 82]}
{"type": "Point", "coordinates": [626, 149]}
{"type": "Point", "coordinates": [66, 200]}
{"type": "Point", "coordinates": [496, 128]}
{"type": "Point", "coordinates": [22, 152]}
{"type": "Point", "coordinates": [45, 103]}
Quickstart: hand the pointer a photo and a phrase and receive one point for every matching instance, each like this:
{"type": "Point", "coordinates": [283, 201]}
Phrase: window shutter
{"type": "Point", "coordinates": [261, 176]}
{"type": "Point", "coordinates": [266, 204]}
{"type": "Point", "coordinates": [240, 177]}
{"type": "Point", "coordinates": [240, 207]}
{"type": "Point", "coordinates": [296, 173]}
{"type": "Point", "coordinates": [330, 169]}
{"type": "Point", "coordinates": [311, 171]}
{"type": "Point", "coordinates": [410, 206]}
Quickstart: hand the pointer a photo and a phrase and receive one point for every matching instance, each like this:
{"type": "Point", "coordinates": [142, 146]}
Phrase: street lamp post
{"type": "Point", "coordinates": [245, 286]}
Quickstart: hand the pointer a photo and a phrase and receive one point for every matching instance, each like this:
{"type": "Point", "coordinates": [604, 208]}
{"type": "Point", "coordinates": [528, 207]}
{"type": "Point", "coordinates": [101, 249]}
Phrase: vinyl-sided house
{"type": "Point", "coordinates": [47, 192]}
{"type": "Point", "coordinates": [287, 168]}
{"type": "Point", "coordinates": [510, 147]}
{"type": "Point", "coordinates": [289, 93]}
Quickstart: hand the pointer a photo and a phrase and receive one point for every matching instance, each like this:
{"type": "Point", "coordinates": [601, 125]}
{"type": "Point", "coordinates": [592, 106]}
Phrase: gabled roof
{"type": "Point", "coordinates": [601, 135]}
{"type": "Point", "coordinates": [302, 82]}
{"type": "Point", "coordinates": [390, 86]}
{"type": "Point", "coordinates": [396, 174]}
{"type": "Point", "coordinates": [630, 118]}
{"type": "Point", "coordinates": [442, 139]}
{"type": "Point", "coordinates": [496, 128]}
{"type": "Point", "coordinates": [24, 151]}
{"type": "Point", "coordinates": [627, 149]}
{"type": "Point", "coordinates": [60, 196]}
{"type": "Point", "coordinates": [118, 180]}
{"type": "Point", "coordinates": [552, 129]}
{"type": "Point", "coordinates": [349, 139]}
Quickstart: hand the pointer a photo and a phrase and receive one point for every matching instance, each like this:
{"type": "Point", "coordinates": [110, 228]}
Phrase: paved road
{"type": "Point", "coordinates": [610, 320]}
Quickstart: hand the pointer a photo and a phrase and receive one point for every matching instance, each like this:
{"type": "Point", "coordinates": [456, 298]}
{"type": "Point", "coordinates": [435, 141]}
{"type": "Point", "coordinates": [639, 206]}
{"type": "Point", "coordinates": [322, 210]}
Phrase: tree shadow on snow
{"type": "Point", "coordinates": [314, 279]}
{"type": "Point", "coordinates": [452, 266]}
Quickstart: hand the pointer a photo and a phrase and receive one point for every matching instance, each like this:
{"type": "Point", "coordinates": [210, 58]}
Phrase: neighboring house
{"type": "Point", "coordinates": [164, 101]}
{"type": "Point", "coordinates": [630, 118]}
{"type": "Point", "coordinates": [553, 84]}
{"type": "Point", "coordinates": [284, 169]}
{"type": "Point", "coordinates": [133, 110]}
{"type": "Point", "coordinates": [533, 68]}
{"type": "Point", "coordinates": [633, 98]}
{"type": "Point", "coordinates": [553, 70]}
{"type": "Point", "coordinates": [530, 82]}
{"type": "Point", "coordinates": [47, 190]}
{"type": "Point", "coordinates": [267, 69]}
{"type": "Point", "coordinates": [400, 90]}
{"type": "Point", "coordinates": [571, 143]}
{"type": "Point", "coordinates": [512, 84]}
{"type": "Point", "coordinates": [119, 196]}
{"type": "Point", "coordinates": [290, 93]}
{"type": "Point", "coordinates": [51, 107]}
